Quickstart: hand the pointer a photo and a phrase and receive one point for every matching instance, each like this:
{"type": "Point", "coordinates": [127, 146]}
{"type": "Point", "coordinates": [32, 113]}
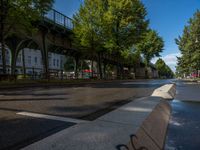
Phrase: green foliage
{"type": "Point", "coordinates": [124, 24]}
{"type": "Point", "coordinates": [70, 64]}
{"type": "Point", "coordinates": [131, 56]}
{"type": "Point", "coordinates": [151, 45]}
{"type": "Point", "coordinates": [116, 27]}
{"type": "Point", "coordinates": [189, 46]}
{"type": "Point", "coordinates": [17, 17]}
{"type": "Point", "coordinates": [20, 15]}
{"type": "Point", "coordinates": [87, 26]}
{"type": "Point", "coordinates": [109, 26]}
{"type": "Point", "coordinates": [164, 70]}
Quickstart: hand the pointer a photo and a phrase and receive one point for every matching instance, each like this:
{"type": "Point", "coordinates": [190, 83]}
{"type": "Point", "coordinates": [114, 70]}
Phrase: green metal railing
{"type": "Point", "coordinates": [59, 19]}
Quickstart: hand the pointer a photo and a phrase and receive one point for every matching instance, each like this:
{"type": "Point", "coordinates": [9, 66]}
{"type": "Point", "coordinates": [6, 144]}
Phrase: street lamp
{"type": "Point", "coordinates": [198, 71]}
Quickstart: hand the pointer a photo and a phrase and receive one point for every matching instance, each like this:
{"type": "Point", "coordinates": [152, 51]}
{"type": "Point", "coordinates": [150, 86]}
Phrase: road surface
{"type": "Point", "coordinates": [184, 128]}
{"type": "Point", "coordinates": [86, 102]}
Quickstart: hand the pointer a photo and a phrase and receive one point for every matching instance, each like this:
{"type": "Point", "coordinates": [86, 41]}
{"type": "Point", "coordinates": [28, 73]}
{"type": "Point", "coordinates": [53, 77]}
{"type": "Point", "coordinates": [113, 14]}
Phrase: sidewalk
{"type": "Point", "coordinates": [105, 133]}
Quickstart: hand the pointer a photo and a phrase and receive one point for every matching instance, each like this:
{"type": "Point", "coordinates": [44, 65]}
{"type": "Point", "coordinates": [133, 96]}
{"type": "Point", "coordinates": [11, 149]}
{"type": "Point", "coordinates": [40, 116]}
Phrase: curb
{"type": "Point", "coordinates": [151, 134]}
{"type": "Point", "coordinates": [167, 91]}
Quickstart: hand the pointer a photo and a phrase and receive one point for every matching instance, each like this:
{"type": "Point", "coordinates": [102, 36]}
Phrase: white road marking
{"type": "Point", "coordinates": [139, 83]}
{"type": "Point", "coordinates": [36, 115]}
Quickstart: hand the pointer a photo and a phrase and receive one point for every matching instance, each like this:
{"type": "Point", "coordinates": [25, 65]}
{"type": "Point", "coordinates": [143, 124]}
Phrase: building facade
{"type": "Point", "coordinates": [32, 60]}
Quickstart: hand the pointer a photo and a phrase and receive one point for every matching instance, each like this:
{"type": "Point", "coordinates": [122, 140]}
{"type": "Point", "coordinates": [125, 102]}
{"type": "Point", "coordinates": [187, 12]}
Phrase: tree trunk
{"type": "Point", "coordinates": [45, 56]}
{"type": "Point", "coordinates": [3, 52]}
{"type": "Point", "coordinates": [146, 69]}
{"type": "Point", "coordinates": [119, 75]}
{"type": "Point", "coordinates": [76, 67]}
{"type": "Point", "coordinates": [82, 69]}
{"type": "Point", "coordinates": [23, 63]}
{"type": "Point", "coordinates": [104, 69]}
{"type": "Point", "coordinates": [99, 66]}
{"type": "Point", "coordinates": [13, 63]}
{"type": "Point", "coordinates": [62, 74]}
{"type": "Point", "coordinates": [122, 71]}
{"type": "Point", "coordinates": [92, 68]}
{"type": "Point", "coordinates": [3, 15]}
{"type": "Point", "coordinates": [2, 19]}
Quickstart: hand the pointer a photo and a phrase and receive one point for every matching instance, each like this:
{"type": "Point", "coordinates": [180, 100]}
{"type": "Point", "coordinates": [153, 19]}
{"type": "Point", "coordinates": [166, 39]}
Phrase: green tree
{"type": "Point", "coordinates": [107, 26]}
{"type": "Point", "coordinates": [151, 46]}
{"type": "Point", "coordinates": [87, 29]}
{"type": "Point", "coordinates": [124, 26]}
{"type": "Point", "coordinates": [164, 70]}
{"type": "Point", "coordinates": [181, 67]}
{"type": "Point", "coordinates": [70, 64]}
{"type": "Point", "coordinates": [189, 46]}
{"type": "Point", "coordinates": [17, 17]}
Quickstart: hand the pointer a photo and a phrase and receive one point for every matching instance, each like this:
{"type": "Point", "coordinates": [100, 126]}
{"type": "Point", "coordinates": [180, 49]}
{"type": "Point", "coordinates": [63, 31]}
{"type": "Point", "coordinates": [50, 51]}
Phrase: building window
{"type": "Point", "coordinates": [57, 62]}
{"type": "Point", "coordinates": [19, 58]}
{"type": "Point", "coordinates": [41, 62]}
{"type": "Point", "coordinates": [61, 63]}
{"type": "Point", "coordinates": [7, 60]}
{"type": "Point", "coordinates": [54, 62]}
{"type": "Point", "coordinates": [35, 60]}
{"type": "Point", "coordinates": [29, 59]}
{"type": "Point", "coordinates": [30, 72]}
{"type": "Point", "coordinates": [49, 59]}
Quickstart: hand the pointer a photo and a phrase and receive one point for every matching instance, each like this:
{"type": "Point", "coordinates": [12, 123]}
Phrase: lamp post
{"type": "Point", "coordinates": [198, 63]}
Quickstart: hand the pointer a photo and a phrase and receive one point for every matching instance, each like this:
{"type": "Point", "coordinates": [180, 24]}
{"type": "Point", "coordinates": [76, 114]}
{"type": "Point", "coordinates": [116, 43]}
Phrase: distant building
{"type": "Point", "coordinates": [33, 62]}
{"type": "Point", "coordinates": [151, 71]}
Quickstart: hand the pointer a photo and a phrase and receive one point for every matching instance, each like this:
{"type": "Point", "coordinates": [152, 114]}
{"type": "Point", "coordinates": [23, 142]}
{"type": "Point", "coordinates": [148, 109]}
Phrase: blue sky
{"type": "Point", "coordinates": [167, 17]}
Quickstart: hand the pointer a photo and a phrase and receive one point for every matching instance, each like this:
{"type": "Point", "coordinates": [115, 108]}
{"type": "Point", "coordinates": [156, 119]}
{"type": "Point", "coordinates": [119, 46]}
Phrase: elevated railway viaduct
{"type": "Point", "coordinates": [55, 34]}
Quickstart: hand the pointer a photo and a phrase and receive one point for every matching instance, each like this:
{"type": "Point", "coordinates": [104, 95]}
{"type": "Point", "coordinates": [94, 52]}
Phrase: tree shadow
{"type": "Point", "coordinates": [33, 99]}
{"type": "Point", "coordinates": [89, 112]}
{"type": "Point", "coordinates": [17, 133]}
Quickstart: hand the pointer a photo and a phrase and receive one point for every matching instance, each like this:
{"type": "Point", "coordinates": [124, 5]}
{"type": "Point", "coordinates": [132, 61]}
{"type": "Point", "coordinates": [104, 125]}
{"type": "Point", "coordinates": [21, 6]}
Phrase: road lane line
{"type": "Point", "coordinates": [138, 83]}
{"type": "Point", "coordinates": [36, 115]}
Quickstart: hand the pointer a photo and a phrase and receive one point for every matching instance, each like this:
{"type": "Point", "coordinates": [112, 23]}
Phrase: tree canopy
{"type": "Point", "coordinates": [189, 46]}
{"type": "Point", "coordinates": [151, 46]}
{"type": "Point", "coordinates": [17, 17]}
{"type": "Point", "coordinates": [164, 71]}
{"type": "Point", "coordinates": [119, 28]}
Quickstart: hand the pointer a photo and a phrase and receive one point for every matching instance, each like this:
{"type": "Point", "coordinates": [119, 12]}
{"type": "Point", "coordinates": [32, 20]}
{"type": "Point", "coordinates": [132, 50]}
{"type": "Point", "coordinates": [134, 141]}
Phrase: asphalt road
{"type": "Point", "coordinates": [184, 128]}
{"type": "Point", "coordinates": [87, 101]}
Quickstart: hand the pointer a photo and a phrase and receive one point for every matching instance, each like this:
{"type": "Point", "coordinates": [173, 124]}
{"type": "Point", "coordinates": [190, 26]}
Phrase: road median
{"type": "Point", "coordinates": [167, 91]}
{"type": "Point", "coordinates": [106, 132]}
{"type": "Point", "coordinates": [151, 134]}
{"type": "Point", "coordinates": [141, 123]}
